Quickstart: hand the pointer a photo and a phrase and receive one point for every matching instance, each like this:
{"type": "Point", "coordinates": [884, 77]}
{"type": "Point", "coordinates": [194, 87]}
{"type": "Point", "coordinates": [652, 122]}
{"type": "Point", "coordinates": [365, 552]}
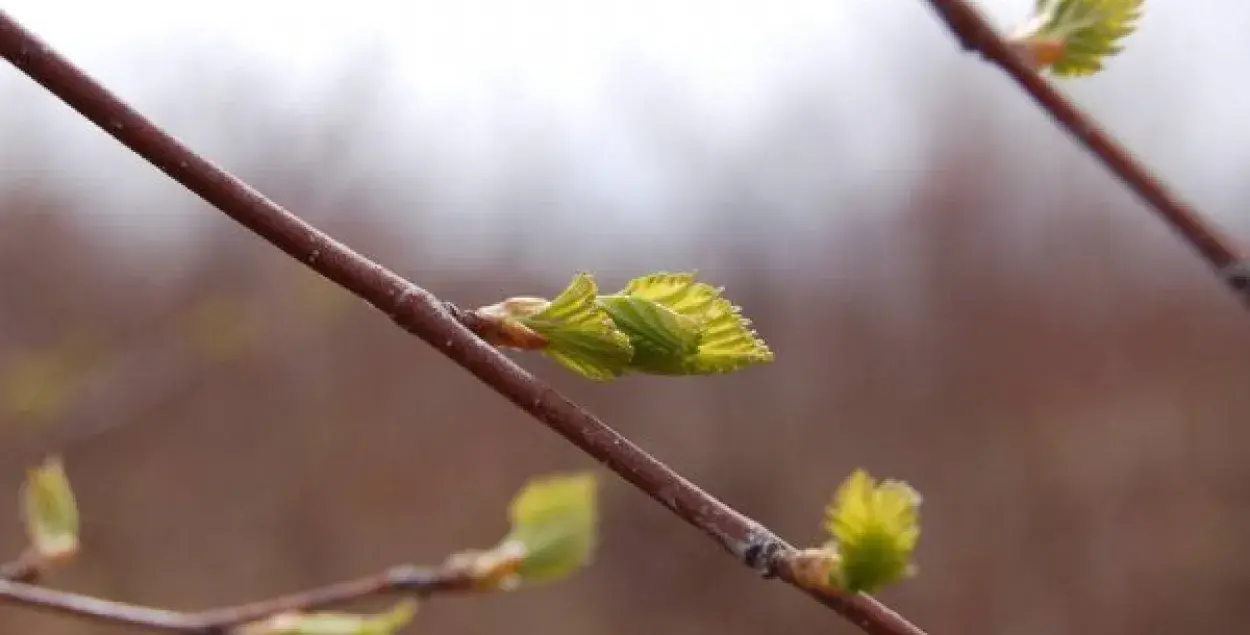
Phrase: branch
{"type": "Point", "coordinates": [401, 580]}
{"type": "Point", "coordinates": [419, 312]}
{"type": "Point", "coordinates": [24, 569]}
{"type": "Point", "coordinates": [976, 35]}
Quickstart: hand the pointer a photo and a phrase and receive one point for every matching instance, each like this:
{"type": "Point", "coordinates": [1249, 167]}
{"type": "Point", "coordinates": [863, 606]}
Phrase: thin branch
{"type": "Point", "coordinates": [25, 568]}
{"type": "Point", "coordinates": [400, 580]}
{"type": "Point", "coordinates": [975, 34]}
{"type": "Point", "coordinates": [419, 312]}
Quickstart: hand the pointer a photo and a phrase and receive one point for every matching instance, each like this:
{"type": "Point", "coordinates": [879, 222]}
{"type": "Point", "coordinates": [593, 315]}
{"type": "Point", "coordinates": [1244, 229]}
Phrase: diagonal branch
{"type": "Point", "coordinates": [419, 312]}
{"type": "Point", "coordinates": [976, 35]}
{"type": "Point", "coordinates": [399, 580]}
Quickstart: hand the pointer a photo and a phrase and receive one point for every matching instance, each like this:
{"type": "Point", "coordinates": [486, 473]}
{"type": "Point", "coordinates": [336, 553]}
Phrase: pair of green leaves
{"type": "Point", "coordinates": [1071, 38]}
{"type": "Point", "coordinates": [661, 324]}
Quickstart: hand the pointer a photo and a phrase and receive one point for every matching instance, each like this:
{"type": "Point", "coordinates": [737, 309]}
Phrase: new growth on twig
{"type": "Point", "coordinates": [1069, 38]}
{"type": "Point", "coordinates": [554, 524]}
{"type": "Point", "coordinates": [660, 324]}
{"type": "Point", "coordinates": [1072, 38]}
{"type": "Point", "coordinates": [664, 324]}
{"type": "Point", "coordinates": [554, 532]}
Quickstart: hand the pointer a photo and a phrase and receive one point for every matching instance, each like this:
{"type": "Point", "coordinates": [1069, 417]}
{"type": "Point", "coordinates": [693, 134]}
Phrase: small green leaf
{"type": "Point", "coordinates": [1072, 38]}
{"type": "Point", "coordinates": [580, 335]}
{"type": "Point", "coordinates": [661, 338]}
{"type": "Point", "coordinates": [554, 522]}
{"type": "Point", "coordinates": [334, 623]}
{"type": "Point", "coordinates": [682, 327]}
{"type": "Point", "coordinates": [875, 530]}
{"type": "Point", "coordinates": [50, 512]}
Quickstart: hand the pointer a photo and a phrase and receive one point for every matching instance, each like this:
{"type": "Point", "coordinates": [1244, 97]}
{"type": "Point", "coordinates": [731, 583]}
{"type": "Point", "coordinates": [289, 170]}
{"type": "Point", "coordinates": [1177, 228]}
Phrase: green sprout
{"type": "Point", "coordinates": [1072, 38]}
{"type": "Point", "coordinates": [875, 529]}
{"type": "Point", "coordinates": [554, 533]}
{"type": "Point", "coordinates": [661, 324]}
{"type": "Point", "coordinates": [50, 512]}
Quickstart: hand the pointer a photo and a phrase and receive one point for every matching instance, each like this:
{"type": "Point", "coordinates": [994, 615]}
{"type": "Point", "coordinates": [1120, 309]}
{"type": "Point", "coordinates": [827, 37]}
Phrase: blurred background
{"type": "Point", "coordinates": [957, 294]}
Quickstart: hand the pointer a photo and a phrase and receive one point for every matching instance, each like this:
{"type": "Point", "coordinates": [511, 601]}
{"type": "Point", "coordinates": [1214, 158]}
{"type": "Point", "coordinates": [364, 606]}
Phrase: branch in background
{"type": "Point", "coordinates": [975, 34]}
{"type": "Point", "coordinates": [148, 373]}
{"type": "Point", "coordinates": [24, 569]}
{"type": "Point", "coordinates": [404, 580]}
{"type": "Point", "coordinates": [419, 312]}
{"type": "Point", "coordinates": [554, 532]}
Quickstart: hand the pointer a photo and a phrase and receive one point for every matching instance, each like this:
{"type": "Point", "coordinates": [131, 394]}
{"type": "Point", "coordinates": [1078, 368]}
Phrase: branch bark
{"type": "Point", "coordinates": [419, 312]}
{"type": "Point", "coordinates": [25, 568]}
{"type": "Point", "coordinates": [399, 580]}
{"type": "Point", "coordinates": [976, 35]}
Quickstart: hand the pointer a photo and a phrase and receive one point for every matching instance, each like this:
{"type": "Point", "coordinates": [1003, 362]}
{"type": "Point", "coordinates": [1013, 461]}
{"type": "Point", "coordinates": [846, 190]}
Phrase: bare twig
{"type": "Point", "coordinates": [25, 568]}
{"type": "Point", "coordinates": [975, 34]}
{"type": "Point", "coordinates": [419, 312]}
{"type": "Point", "coordinates": [400, 580]}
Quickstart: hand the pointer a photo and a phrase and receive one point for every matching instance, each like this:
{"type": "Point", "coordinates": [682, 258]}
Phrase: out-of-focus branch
{"type": "Point", "coordinates": [23, 569]}
{"type": "Point", "coordinates": [405, 580]}
{"type": "Point", "coordinates": [975, 34]}
{"type": "Point", "coordinates": [440, 325]}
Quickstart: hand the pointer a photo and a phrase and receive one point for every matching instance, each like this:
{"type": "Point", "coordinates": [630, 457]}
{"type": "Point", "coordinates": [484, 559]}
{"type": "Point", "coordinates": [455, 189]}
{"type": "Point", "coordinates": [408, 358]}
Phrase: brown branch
{"type": "Point", "coordinates": [23, 569]}
{"type": "Point", "coordinates": [399, 580]}
{"type": "Point", "coordinates": [976, 35]}
{"type": "Point", "coordinates": [419, 312]}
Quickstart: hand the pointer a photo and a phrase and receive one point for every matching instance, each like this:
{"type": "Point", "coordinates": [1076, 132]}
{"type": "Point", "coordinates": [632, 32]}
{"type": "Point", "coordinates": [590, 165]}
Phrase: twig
{"type": "Point", "coordinates": [419, 312]}
{"type": "Point", "coordinates": [400, 580]}
{"type": "Point", "coordinates": [975, 34]}
{"type": "Point", "coordinates": [23, 569]}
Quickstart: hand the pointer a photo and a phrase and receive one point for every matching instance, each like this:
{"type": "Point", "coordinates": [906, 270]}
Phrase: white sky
{"type": "Point", "coordinates": [463, 70]}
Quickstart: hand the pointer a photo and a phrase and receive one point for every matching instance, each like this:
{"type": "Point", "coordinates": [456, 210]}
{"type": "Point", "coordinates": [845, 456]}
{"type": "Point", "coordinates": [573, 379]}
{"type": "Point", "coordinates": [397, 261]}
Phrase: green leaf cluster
{"type": "Point", "coordinates": [1083, 33]}
{"type": "Point", "coordinates": [660, 324]}
{"type": "Point", "coordinates": [875, 529]}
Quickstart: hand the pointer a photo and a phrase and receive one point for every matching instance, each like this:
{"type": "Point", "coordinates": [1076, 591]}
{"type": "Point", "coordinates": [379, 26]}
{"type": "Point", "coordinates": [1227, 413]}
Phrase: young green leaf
{"type": "Point", "coordinates": [580, 335]}
{"type": "Point", "coordinates": [334, 623]}
{"type": "Point", "coordinates": [50, 512]}
{"type": "Point", "coordinates": [1072, 38]}
{"type": "Point", "coordinates": [875, 529]}
{"type": "Point", "coordinates": [661, 324]}
{"type": "Point", "coordinates": [682, 327]}
{"type": "Point", "coordinates": [554, 524]}
{"type": "Point", "coordinates": [554, 521]}
{"type": "Point", "coordinates": [660, 337]}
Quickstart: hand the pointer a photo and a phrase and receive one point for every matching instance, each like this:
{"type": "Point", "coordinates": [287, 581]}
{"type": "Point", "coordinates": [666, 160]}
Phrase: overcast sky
{"type": "Point", "coordinates": [464, 68]}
